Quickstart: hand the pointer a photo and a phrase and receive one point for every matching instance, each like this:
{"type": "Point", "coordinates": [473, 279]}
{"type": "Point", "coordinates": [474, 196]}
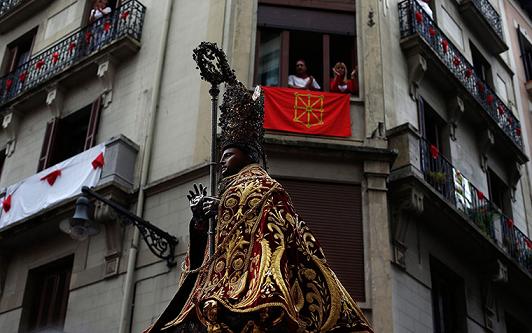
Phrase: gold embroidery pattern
{"type": "Point", "coordinates": [267, 258]}
{"type": "Point", "coordinates": [308, 109]}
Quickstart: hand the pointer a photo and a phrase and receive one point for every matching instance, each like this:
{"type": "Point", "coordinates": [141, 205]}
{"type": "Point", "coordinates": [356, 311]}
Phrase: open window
{"type": "Point", "coordinates": [18, 51]}
{"type": "Point", "coordinates": [46, 297]}
{"type": "Point", "coordinates": [481, 65]}
{"type": "Point", "coordinates": [526, 54]}
{"type": "Point", "coordinates": [433, 127]}
{"type": "Point", "coordinates": [435, 150]}
{"type": "Point", "coordinates": [499, 193]}
{"type": "Point", "coordinates": [319, 36]}
{"type": "Point", "coordinates": [71, 135]}
{"type": "Point", "coordinates": [448, 299]}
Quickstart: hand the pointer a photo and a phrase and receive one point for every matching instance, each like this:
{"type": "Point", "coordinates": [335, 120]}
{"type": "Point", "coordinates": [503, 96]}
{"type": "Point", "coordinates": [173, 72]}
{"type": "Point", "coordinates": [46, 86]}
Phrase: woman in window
{"type": "Point", "coordinates": [340, 83]}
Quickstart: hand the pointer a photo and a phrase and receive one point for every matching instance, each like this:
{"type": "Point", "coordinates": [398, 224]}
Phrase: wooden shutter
{"type": "Point", "coordinates": [11, 59]}
{"type": "Point", "coordinates": [94, 120]}
{"type": "Point", "coordinates": [46, 296]}
{"type": "Point", "coordinates": [48, 144]}
{"type": "Point", "coordinates": [334, 214]}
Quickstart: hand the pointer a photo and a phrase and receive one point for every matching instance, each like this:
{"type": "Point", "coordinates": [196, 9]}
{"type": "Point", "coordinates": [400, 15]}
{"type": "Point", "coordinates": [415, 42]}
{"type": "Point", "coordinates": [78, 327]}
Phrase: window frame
{"type": "Point", "coordinates": [11, 55]}
{"type": "Point", "coordinates": [441, 274]}
{"type": "Point", "coordinates": [284, 65]}
{"type": "Point", "coordinates": [525, 47]}
{"type": "Point", "coordinates": [498, 188]}
{"type": "Point", "coordinates": [53, 127]}
{"type": "Point", "coordinates": [39, 312]}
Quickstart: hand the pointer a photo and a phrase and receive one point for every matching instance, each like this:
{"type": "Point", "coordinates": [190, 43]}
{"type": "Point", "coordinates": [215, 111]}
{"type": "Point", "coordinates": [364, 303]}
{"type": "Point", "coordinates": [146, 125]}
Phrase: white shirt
{"type": "Point", "coordinates": [297, 82]}
{"type": "Point", "coordinates": [97, 13]}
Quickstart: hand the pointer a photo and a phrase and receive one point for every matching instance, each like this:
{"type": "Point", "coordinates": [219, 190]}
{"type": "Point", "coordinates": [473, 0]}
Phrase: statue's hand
{"type": "Point", "coordinates": [210, 206]}
{"type": "Point", "coordinates": [195, 199]}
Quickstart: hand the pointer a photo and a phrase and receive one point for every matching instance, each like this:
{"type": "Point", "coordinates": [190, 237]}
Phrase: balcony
{"type": "Point", "coordinates": [52, 190]}
{"type": "Point", "coordinates": [420, 35]}
{"type": "Point", "coordinates": [14, 12]}
{"type": "Point", "coordinates": [481, 212]}
{"type": "Point", "coordinates": [486, 23]}
{"type": "Point", "coordinates": [117, 35]}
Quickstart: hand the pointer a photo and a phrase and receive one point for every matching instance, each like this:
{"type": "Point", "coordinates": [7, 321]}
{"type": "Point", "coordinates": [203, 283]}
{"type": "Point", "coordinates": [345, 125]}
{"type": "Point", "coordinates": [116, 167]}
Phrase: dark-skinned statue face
{"type": "Point", "coordinates": [233, 160]}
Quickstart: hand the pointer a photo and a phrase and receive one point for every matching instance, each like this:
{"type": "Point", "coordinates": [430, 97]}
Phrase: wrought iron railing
{"type": "Point", "coordinates": [7, 5]}
{"type": "Point", "coordinates": [458, 190]}
{"type": "Point", "coordinates": [490, 15]}
{"type": "Point", "coordinates": [125, 21]}
{"type": "Point", "coordinates": [413, 20]}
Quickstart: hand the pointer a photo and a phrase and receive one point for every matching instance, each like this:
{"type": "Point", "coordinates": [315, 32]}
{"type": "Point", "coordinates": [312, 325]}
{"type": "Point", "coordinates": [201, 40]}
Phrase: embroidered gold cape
{"type": "Point", "coordinates": [266, 257]}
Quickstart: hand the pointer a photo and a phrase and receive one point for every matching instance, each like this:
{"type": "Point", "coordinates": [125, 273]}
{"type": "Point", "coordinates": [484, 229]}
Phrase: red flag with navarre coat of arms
{"type": "Point", "coordinates": [307, 112]}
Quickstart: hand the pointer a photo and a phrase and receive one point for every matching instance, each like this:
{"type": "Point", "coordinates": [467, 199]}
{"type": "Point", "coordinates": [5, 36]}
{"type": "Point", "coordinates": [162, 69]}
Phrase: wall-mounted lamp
{"type": "Point", "coordinates": [82, 225]}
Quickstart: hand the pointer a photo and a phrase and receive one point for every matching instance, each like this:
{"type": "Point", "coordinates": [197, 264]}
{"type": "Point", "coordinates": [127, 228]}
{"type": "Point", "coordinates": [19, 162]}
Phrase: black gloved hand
{"type": "Point", "coordinates": [195, 199]}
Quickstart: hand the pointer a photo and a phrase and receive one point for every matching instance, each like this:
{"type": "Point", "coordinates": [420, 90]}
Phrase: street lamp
{"type": "Point", "coordinates": [82, 225]}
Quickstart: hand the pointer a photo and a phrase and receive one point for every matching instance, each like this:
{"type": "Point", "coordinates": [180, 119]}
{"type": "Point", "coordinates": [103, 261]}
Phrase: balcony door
{"type": "Point", "coordinates": [19, 51]}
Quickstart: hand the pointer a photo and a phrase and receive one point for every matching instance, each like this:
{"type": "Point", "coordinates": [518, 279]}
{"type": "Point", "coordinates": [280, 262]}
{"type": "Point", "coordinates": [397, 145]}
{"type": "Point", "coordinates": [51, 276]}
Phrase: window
{"type": "Point", "coordinates": [526, 54]}
{"type": "Point", "coordinates": [341, 236]}
{"type": "Point", "coordinates": [286, 34]}
{"type": "Point", "coordinates": [2, 160]}
{"type": "Point", "coordinates": [46, 296]}
{"type": "Point", "coordinates": [448, 299]}
{"type": "Point", "coordinates": [481, 65]}
{"type": "Point", "coordinates": [70, 135]}
{"type": "Point", "coordinates": [18, 52]}
{"type": "Point", "coordinates": [433, 127]}
{"type": "Point", "coordinates": [435, 150]}
{"type": "Point", "coordinates": [499, 193]}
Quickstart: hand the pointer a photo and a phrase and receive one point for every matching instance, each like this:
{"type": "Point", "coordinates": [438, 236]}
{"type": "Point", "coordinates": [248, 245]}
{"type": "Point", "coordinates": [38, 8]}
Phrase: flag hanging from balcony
{"type": "Point", "coordinates": [51, 186]}
{"type": "Point", "coordinates": [307, 112]}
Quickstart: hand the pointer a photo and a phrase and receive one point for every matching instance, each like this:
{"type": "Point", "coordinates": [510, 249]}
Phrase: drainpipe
{"type": "Point", "coordinates": [126, 308]}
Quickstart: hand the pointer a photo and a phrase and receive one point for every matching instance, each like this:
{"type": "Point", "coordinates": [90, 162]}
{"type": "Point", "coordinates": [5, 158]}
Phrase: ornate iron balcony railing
{"type": "Point", "coordinates": [7, 5]}
{"type": "Point", "coordinates": [125, 21]}
{"type": "Point", "coordinates": [413, 20]}
{"type": "Point", "coordinates": [490, 14]}
{"type": "Point", "coordinates": [458, 190]}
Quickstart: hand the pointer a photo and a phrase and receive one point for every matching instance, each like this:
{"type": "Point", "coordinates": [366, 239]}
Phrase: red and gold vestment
{"type": "Point", "coordinates": [266, 259]}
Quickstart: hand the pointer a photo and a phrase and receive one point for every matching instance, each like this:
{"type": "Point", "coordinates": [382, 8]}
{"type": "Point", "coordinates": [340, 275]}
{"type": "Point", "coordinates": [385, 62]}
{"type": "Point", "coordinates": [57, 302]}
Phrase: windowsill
{"type": "Point", "coordinates": [356, 100]}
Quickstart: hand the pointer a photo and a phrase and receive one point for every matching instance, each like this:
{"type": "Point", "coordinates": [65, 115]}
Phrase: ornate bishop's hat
{"type": "Point", "coordinates": [242, 118]}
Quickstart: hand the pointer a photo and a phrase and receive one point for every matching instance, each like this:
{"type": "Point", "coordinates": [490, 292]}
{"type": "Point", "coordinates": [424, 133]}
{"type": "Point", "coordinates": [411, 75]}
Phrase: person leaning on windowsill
{"type": "Point", "coordinates": [302, 80]}
{"type": "Point", "coordinates": [340, 83]}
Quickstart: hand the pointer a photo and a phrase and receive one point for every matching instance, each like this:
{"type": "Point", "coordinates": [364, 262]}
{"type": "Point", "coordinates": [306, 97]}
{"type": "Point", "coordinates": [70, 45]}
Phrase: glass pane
{"type": "Point", "coordinates": [269, 57]}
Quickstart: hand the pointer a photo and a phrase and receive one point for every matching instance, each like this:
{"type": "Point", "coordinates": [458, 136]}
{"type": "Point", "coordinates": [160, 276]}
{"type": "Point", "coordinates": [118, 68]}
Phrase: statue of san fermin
{"type": "Point", "coordinates": [259, 269]}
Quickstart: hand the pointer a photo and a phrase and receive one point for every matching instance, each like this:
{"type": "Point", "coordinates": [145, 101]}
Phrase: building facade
{"type": "Point", "coordinates": [424, 211]}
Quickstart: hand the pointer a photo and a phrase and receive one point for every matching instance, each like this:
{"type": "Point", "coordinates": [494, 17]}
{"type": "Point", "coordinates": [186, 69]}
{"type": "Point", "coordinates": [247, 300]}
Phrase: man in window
{"type": "Point", "coordinates": [302, 80]}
